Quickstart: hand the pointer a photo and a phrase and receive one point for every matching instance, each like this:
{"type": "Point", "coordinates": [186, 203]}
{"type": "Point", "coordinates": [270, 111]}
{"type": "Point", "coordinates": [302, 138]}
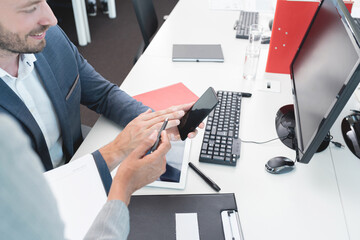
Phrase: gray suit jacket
{"type": "Point", "coordinates": [69, 81]}
{"type": "Point", "coordinates": [28, 209]}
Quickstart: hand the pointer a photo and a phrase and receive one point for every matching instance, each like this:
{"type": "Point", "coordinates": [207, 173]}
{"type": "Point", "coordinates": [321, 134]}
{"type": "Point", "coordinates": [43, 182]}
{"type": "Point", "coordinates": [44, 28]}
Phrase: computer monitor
{"type": "Point", "coordinates": [325, 72]}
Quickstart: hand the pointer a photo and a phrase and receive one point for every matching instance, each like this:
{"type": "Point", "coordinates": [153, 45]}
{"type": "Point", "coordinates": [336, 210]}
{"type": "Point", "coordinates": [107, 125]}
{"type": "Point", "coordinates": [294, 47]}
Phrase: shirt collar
{"type": "Point", "coordinates": [26, 59]}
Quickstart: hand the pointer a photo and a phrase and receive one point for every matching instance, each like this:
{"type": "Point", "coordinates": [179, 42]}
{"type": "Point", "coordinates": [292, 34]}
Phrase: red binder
{"type": "Point", "coordinates": [291, 21]}
{"type": "Point", "coordinates": [166, 97]}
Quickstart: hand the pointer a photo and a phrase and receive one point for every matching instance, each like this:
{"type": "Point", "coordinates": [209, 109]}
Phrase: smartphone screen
{"type": "Point", "coordinates": [198, 112]}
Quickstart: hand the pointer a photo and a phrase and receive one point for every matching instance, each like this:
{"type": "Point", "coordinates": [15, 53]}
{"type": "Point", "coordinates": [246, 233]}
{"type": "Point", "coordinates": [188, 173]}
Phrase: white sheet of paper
{"type": "Point", "coordinates": [355, 12]}
{"type": "Point", "coordinates": [245, 5]}
{"type": "Point", "coordinates": [79, 193]}
{"type": "Point", "coordinates": [187, 227]}
{"type": "Point", "coordinates": [225, 4]}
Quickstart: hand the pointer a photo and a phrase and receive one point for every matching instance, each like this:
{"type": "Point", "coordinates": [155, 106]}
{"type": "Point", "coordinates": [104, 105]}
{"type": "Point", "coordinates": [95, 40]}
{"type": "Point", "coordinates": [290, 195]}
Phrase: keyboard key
{"type": "Point", "coordinates": [204, 146]}
{"type": "Point", "coordinates": [219, 158]}
{"type": "Point", "coordinates": [205, 156]}
{"type": "Point", "coordinates": [222, 133]}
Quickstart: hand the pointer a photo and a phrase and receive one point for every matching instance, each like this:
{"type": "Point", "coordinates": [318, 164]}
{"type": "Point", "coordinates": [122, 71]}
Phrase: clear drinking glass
{"type": "Point", "coordinates": [255, 34]}
{"type": "Point", "coordinates": [252, 52]}
{"type": "Point", "coordinates": [251, 62]}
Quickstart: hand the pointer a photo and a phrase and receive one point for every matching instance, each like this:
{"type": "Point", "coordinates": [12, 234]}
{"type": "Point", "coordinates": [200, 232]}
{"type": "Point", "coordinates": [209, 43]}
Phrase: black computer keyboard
{"type": "Point", "coordinates": [246, 19]}
{"type": "Point", "coordinates": [221, 143]}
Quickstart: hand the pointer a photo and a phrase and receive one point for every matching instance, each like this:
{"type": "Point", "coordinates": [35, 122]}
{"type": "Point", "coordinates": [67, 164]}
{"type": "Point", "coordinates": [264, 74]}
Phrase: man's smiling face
{"type": "Point", "coordinates": [23, 25]}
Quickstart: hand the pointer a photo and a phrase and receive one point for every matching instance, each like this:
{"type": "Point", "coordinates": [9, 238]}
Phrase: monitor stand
{"type": "Point", "coordinates": [285, 128]}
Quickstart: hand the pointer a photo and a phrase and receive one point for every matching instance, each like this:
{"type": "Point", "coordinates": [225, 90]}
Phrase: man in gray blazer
{"type": "Point", "coordinates": [44, 79]}
{"type": "Point", "coordinates": [28, 209]}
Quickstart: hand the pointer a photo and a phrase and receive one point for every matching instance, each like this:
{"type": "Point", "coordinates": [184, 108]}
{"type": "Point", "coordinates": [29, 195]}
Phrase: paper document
{"type": "Point", "coordinates": [79, 193]}
{"type": "Point", "coordinates": [356, 10]}
{"type": "Point", "coordinates": [187, 226]}
{"type": "Point", "coordinates": [225, 4]}
{"type": "Point", "coordinates": [245, 5]}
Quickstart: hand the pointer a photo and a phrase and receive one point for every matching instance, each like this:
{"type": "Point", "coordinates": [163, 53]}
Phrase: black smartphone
{"type": "Point", "coordinates": [198, 112]}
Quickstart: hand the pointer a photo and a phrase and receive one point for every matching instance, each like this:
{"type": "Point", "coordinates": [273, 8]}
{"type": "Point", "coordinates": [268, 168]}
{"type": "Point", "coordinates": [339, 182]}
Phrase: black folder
{"type": "Point", "coordinates": [153, 216]}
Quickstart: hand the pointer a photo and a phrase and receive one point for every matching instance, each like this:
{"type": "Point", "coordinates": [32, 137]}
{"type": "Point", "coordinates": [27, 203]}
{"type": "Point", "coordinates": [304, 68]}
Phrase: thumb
{"type": "Point", "coordinates": [145, 145]}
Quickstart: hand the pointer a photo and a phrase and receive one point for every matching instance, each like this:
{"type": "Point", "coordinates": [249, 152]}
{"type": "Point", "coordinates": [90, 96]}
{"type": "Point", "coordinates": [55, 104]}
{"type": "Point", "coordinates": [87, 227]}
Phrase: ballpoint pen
{"type": "Point", "coordinates": [206, 179]}
{"type": "Point", "coordinates": [155, 146]}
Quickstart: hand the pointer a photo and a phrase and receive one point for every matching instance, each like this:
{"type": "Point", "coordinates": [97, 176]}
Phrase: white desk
{"type": "Point", "coordinates": [303, 204]}
{"type": "Point", "coordinates": [347, 168]}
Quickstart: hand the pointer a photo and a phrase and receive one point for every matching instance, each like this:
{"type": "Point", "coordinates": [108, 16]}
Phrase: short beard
{"type": "Point", "coordinates": [12, 42]}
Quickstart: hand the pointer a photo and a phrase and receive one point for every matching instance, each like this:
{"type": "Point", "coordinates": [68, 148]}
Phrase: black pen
{"type": "Point", "coordinates": [155, 146]}
{"type": "Point", "coordinates": [206, 179]}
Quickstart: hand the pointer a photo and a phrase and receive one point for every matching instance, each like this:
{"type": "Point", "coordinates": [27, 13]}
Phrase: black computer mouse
{"type": "Point", "coordinates": [279, 165]}
{"type": "Point", "coordinates": [350, 128]}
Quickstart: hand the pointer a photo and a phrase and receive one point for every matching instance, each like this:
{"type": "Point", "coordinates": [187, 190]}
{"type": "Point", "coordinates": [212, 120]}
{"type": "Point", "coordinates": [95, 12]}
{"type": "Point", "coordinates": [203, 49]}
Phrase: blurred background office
{"type": "Point", "coordinates": [114, 42]}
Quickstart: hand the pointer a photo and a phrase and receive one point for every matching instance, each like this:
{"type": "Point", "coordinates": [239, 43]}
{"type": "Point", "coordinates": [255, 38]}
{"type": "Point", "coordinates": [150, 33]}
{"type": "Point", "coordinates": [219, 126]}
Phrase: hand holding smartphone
{"type": "Point", "coordinates": [198, 112]}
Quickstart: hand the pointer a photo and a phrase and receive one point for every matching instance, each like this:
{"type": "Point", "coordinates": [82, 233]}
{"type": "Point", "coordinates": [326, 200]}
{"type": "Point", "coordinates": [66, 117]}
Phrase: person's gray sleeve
{"type": "Point", "coordinates": [111, 223]}
{"type": "Point", "coordinates": [28, 209]}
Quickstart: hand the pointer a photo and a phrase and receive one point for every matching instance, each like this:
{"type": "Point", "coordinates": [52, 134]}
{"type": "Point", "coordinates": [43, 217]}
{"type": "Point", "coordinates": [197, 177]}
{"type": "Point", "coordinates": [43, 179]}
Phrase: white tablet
{"type": "Point", "coordinates": [177, 158]}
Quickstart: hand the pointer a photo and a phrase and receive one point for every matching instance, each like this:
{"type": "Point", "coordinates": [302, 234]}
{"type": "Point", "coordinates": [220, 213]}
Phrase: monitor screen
{"type": "Point", "coordinates": [325, 73]}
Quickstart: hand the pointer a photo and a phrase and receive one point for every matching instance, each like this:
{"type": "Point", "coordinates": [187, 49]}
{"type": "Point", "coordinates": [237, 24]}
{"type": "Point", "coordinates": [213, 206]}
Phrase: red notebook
{"type": "Point", "coordinates": [166, 97]}
{"type": "Point", "coordinates": [292, 19]}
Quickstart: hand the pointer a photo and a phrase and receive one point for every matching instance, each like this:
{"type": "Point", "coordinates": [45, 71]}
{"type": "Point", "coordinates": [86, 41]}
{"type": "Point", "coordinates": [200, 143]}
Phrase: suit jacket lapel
{"type": "Point", "coordinates": [15, 106]}
{"type": "Point", "coordinates": [58, 100]}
